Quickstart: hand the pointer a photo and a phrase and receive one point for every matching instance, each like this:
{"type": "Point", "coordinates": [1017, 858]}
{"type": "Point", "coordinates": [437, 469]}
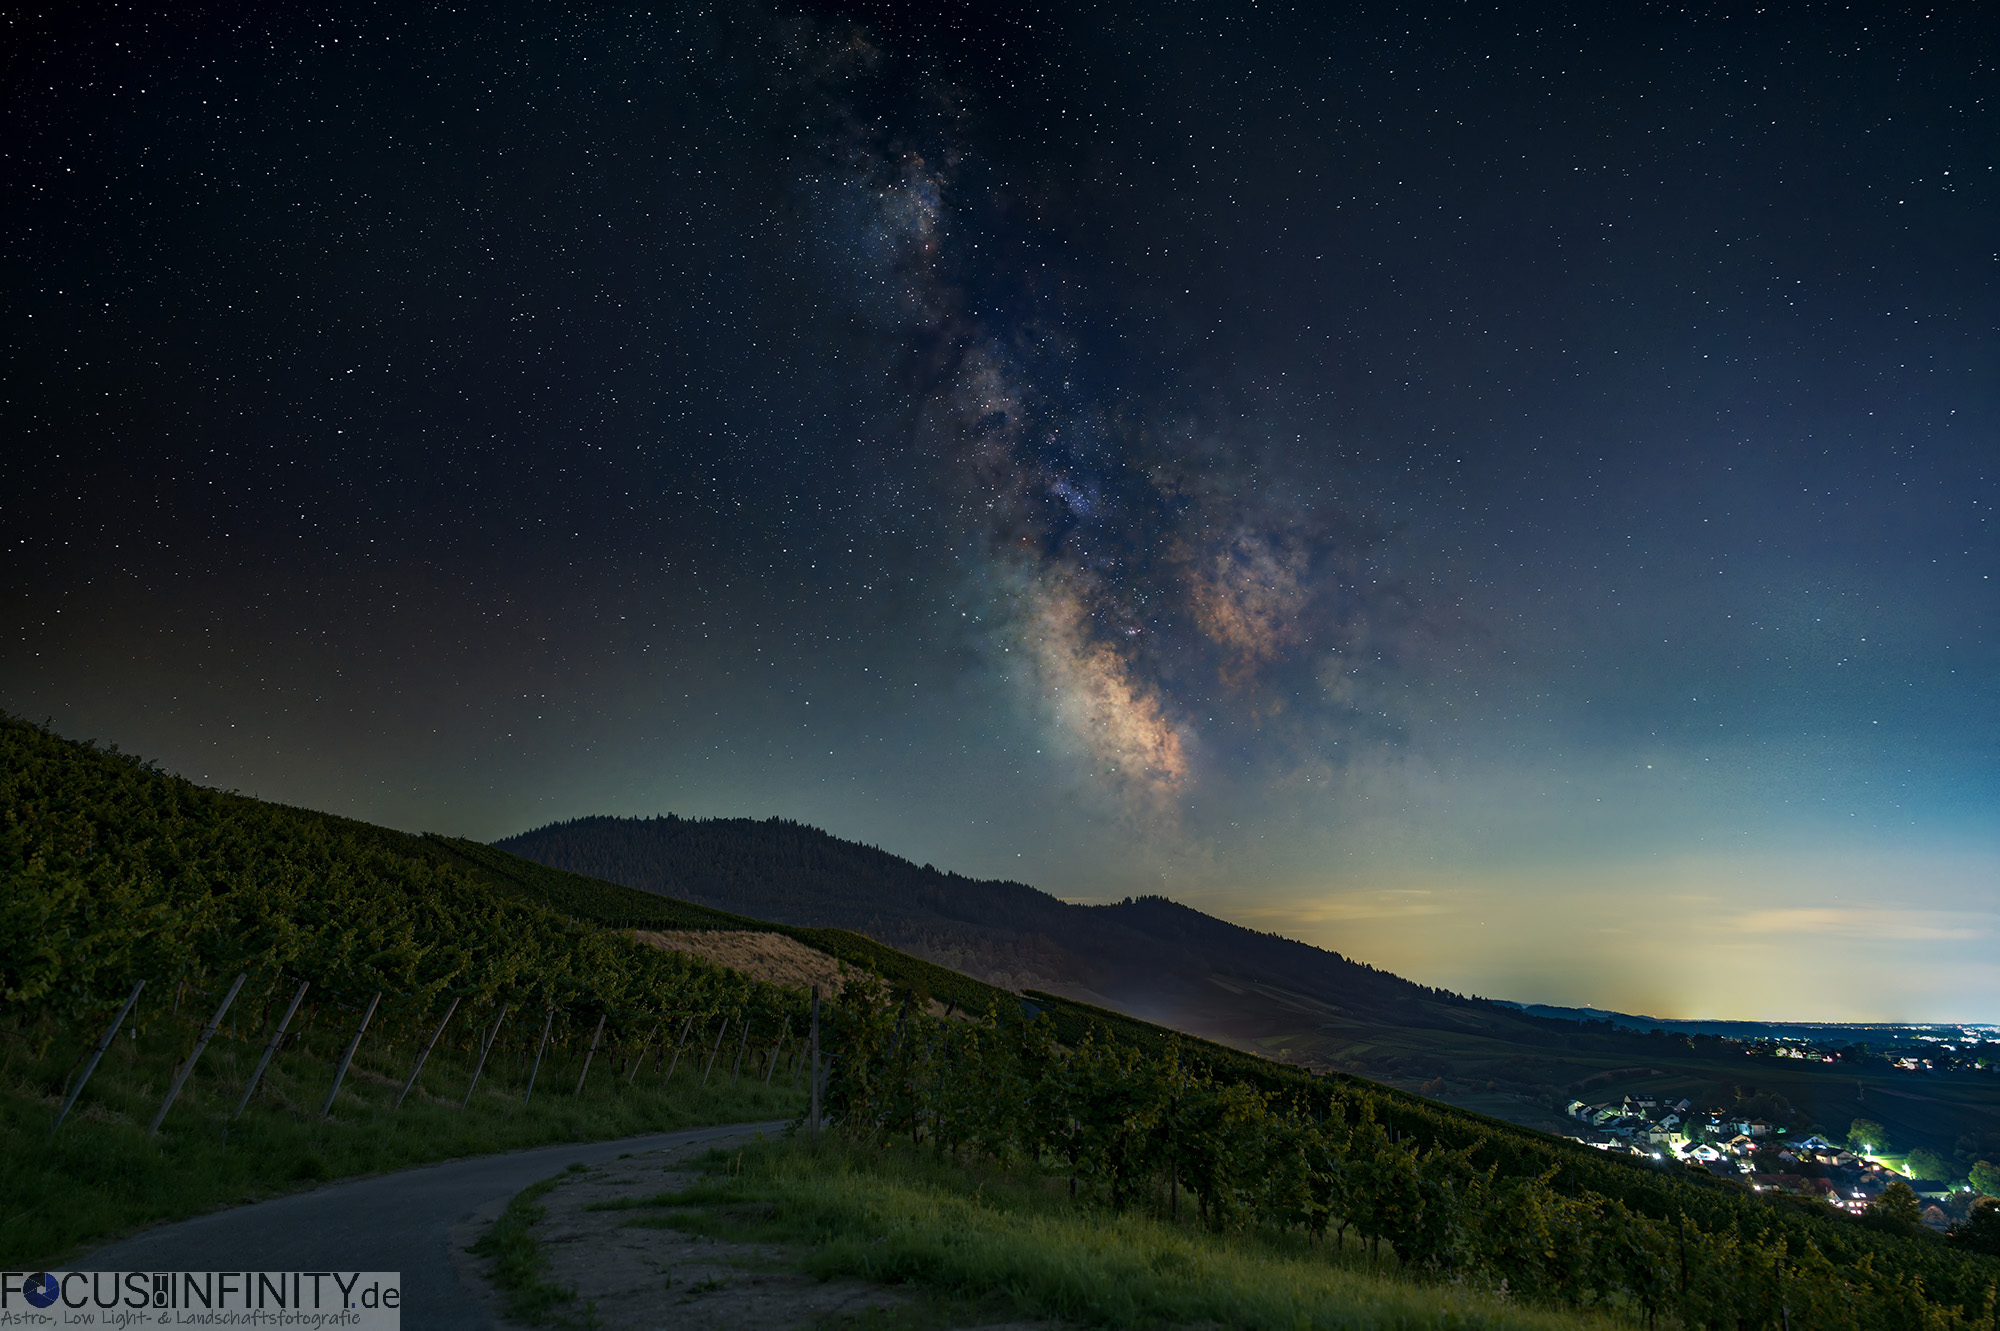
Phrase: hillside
{"type": "Point", "coordinates": [1146, 956]}
{"type": "Point", "coordinates": [1153, 959]}
{"type": "Point", "coordinates": [419, 1002]}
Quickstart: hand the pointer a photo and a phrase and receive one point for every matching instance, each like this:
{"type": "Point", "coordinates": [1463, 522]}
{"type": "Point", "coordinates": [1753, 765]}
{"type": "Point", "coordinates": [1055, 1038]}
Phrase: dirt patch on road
{"type": "Point", "coordinates": [647, 1274]}
{"type": "Point", "coordinates": [773, 958]}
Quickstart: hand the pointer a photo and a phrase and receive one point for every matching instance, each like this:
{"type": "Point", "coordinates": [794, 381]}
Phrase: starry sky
{"type": "Point", "coordinates": [1501, 491]}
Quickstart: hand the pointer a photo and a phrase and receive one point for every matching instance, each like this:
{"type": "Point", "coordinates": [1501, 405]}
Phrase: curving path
{"type": "Point", "coordinates": [391, 1222]}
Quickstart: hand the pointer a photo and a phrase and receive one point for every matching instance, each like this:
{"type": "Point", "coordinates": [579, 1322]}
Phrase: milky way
{"type": "Point", "coordinates": [1159, 592]}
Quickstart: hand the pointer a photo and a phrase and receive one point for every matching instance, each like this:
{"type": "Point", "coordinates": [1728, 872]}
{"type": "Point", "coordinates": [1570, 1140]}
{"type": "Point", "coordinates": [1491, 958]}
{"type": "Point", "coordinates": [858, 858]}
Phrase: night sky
{"type": "Point", "coordinates": [1503, 493]}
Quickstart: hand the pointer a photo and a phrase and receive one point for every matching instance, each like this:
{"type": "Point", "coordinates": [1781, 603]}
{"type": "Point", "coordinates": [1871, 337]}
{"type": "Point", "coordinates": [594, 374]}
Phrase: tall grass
{"type": "Point", "coordinates": [898, 1216]}
{"type": "Point", "coordinates": [102, 1174]}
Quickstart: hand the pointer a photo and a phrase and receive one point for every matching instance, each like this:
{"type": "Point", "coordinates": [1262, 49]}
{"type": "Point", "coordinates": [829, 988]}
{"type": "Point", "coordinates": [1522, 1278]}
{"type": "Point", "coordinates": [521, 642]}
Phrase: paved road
{"type": "Point", "coordinates": [392, 1222]}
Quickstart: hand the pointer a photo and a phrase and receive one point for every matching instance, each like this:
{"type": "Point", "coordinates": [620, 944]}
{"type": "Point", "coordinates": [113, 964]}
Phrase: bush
{"type": "Point", "coordinates": [1867, 1136]}
{"type": "Point", "coordinates": [1929, 1165]}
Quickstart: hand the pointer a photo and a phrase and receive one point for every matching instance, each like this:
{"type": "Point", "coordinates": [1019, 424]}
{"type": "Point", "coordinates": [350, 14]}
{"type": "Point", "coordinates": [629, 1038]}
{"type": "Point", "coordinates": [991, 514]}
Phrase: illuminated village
{"type": "Point", "coordinates": [1772, 1156]}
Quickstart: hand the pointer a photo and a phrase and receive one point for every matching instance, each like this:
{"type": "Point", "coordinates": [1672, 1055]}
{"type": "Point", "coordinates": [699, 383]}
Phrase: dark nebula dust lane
{"type": "Point", "coordinates": [1504, 493]}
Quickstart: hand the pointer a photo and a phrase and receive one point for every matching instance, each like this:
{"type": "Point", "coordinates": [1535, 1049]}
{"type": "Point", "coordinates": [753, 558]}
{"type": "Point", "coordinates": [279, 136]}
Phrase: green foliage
{"type": "Point", "coordinates": [1928, 1164]}
{"type": "Point", "coordinates": [1867, 1135]}
{"type": "Point", "coordinates": [1985, 1178]}
{"type": "Point", "coordinates": [1980, 1231]}
{"type": "Point", "coordinates": [1162, 1126]}
{"type": "Point", "coordinates": [1898, 1210]}
{"type": "Point", "coordinates": [117, 872]}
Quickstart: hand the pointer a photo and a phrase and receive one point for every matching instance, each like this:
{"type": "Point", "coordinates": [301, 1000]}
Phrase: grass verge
{"type": "Point", "coordinates": [102, 1175]}
{"type": "Point", "coordinates": [898, 1216]}
{"type": "Point", "coordinates": [516, 1263]}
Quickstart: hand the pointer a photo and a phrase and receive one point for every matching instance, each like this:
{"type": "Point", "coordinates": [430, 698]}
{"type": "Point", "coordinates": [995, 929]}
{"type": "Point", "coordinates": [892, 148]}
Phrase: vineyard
{"type": "Point", "coordinates": [227, 996]}
{"type": "Point", "coordinates": [1132, 1128]}
{"type": "Point", "coordinates": [199, 985]}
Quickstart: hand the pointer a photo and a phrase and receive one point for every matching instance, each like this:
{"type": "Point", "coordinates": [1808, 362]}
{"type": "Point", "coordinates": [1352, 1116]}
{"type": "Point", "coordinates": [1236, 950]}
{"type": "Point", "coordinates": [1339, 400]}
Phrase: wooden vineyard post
{"type": "Point", "coordinates": [201, 1043]}
{"type": "Point", "coordinates": [640, 1057]}
{"type": "Point", "coordinates": [271, 1049]}
{"type": "Point", "coordinates": [596, 1035]}
{"type": "Point", "coordinates": [709, 1067]}
{"type": "Point", "coordinates": [485, 1048]}
{"type": "Point", "coordinates": [535, 1071]}
{"type": "Point", "coordinates": [679, 1045]}
{"type": "Point", "coordinates": [814, 1118]}
{"type": "Point", "coordinates": [736, 1068]}
{"type": "Point", "coordinates": [110, 1033]}
{"type": "Point", "coordinates": [340, 1073]}
{"type": "Point", "coordinates": [418, 1070]}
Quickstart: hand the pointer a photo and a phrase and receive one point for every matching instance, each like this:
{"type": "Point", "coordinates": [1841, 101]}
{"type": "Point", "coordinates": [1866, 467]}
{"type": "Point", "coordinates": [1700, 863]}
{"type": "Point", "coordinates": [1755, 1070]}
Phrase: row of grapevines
{"type": "Point", "coordinates": [116, 872]}
{"type": "Point", "coordinates": [1136, 1127]}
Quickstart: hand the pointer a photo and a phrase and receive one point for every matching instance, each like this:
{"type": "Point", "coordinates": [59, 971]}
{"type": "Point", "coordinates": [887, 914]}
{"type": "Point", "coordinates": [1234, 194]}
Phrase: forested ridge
{"type": "Point", "coordinates": [1245, 988]}
{"type": "Point", "coordinates": [788, 872]}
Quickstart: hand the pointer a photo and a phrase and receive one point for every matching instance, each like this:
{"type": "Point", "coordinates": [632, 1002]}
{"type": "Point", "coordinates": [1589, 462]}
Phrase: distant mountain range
{"type": "Point", "coordinates": [1824, 1031]}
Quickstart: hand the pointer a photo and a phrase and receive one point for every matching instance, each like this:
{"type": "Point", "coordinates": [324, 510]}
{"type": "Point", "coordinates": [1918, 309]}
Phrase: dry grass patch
{"type": "Point", "coordinates": [773, 958]}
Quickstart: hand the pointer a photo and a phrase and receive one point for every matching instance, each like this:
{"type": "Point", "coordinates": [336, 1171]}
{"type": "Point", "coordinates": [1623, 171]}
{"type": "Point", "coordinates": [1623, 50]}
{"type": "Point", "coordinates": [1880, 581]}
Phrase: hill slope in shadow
{"type": "Point", "coordinates": [1146, 956]}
